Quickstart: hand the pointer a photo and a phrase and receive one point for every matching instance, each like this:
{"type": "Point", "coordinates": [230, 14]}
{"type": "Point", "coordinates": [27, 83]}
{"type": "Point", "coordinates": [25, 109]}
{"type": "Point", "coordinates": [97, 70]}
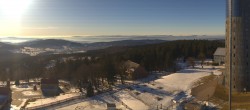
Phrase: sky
{"type": "Point", "coordinates": [50, 18]}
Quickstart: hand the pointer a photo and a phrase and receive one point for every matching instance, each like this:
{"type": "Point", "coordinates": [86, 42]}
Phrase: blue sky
{"type": "Point", "coordinates": [121, 17]}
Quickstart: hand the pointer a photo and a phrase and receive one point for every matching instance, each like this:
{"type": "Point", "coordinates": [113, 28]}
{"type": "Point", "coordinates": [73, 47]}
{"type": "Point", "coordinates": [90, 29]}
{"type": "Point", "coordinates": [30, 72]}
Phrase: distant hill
{"type": "Point", "coordinates": [6, 46]}
{"type": "Point", "coordinates": [5, 51]}
{"type": "Point", "coordinates": [50, 43]}
{"type": "Point", "coordinates": [122, 43]}
{"type": "Point", "coordinates": [127, 43]}
{"type": "Point", "coordinates": [58, 43]}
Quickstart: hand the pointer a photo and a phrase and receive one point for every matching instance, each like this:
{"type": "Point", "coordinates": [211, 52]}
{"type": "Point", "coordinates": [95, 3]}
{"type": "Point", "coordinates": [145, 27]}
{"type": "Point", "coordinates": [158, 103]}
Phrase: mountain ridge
{"type": "Point", "coordinates": [59, 43]}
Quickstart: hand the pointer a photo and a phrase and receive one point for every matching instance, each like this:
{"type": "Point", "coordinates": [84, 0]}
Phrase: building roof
{"type": "Point", "coordinates": [49, 81]}
{"type": "Point", "coordinates": [220, 52]}
{"type": "Point", "coordinates": [5, 91]}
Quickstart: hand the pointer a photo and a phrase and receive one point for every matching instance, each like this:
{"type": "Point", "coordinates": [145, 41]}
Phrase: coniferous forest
{"type": "Point", "coordinates": [105, 66]}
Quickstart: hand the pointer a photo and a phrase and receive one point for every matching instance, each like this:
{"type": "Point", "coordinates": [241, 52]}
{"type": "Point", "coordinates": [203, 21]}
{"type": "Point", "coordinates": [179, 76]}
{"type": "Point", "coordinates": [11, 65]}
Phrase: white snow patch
{"type": "Point", "coordinates": [30, 93]}
{"type": "Point", "coordinates": [132, 102]}
{"type": "Point", "coordinates": [21, 87]}
{"type": "Point", "coordinates": [217, 72]}
{"type": "Point", "coordinates": [53, 100]}
{"type": "Point", "coordinates": [181, 81]}
{"type": "Point", "coordinates": [98, 102]}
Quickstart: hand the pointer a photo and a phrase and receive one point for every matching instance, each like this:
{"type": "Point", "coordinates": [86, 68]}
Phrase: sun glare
{"type": "Point", "coordinates": [10, 16]}
{"type": "Point", "coordinates": [13, 8]}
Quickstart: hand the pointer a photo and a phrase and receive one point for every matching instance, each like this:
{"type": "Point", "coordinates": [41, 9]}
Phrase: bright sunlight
{"type": "Point", "coordinates": [11, 11]}
{"type": "Point", "coordinates": [13, 8]}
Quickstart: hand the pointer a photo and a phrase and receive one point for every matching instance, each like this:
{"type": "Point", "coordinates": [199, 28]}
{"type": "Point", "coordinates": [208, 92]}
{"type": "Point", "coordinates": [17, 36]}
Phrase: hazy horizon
{"type": "Point", "coordinates": [108, 38]}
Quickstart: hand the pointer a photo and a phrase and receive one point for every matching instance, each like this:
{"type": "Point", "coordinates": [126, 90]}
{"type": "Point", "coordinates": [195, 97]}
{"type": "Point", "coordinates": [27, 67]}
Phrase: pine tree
{"type": "Point", "coordinates": [202, 58]}
{"type": "Point", "coordinates": [17, 82]}
{"type": "Point", "coordinates": [90, 90]}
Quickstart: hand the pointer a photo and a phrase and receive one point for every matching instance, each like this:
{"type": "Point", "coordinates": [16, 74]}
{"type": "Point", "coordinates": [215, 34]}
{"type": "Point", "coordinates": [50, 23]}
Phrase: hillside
{"type": "Point", "coordinates": [50, 43]}
{"type": "Point", "coordinates": [58, 43]}
{"type": "Point", "coordinates": [5, 46]}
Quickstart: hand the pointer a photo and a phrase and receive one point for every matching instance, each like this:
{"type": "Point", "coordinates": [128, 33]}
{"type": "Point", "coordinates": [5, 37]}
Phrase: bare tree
{"type": "Point", "coordinates": [202, 58]}
{"type": "Point", "coordinates": [121, 69]}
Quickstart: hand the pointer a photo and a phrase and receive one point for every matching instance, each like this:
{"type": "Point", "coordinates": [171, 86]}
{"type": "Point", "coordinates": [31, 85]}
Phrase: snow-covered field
{"type": "Point", "coordinates": [160, 93]}
{"type": "Point", "coordinates": [182, 80]}
{"type": "Point", "coordinates": [98, 102]}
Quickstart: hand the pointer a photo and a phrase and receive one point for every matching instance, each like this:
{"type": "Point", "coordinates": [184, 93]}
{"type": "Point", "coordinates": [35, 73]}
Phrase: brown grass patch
{"type": "Point", "coordinates": [204, 80]}
{"type": "Point", "coordinates": [239, 100]}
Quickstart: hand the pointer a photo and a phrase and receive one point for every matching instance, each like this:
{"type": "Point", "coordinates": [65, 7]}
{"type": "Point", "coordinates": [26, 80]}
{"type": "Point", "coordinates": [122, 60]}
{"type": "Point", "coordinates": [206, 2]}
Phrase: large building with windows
{"type": "Point", "coordinates": [237, 44]}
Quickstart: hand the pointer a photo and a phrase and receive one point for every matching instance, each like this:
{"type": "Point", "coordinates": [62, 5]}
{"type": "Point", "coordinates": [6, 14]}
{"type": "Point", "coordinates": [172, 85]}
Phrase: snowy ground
{"type": "Point", "coordinates": [49, 101]}
{"type": "Point", "coordinates": [159, 93]}
{"type": "Point", "coordinates": [176, 86]}
{"type": "Point", "coordinates": [130, 101]}
{"type": "Point", "coordinates": [161, 90]}
{"type": "Point", "coordinates": [30, 93]}
{"type": "Point", "coordinates": [181, 81]}
{"type": "Point", "coordinates": [21, 93]}
{"type": "Point", "coordinates": [98, 102]}
{"type": "Point", "coordinates": [122, 99]}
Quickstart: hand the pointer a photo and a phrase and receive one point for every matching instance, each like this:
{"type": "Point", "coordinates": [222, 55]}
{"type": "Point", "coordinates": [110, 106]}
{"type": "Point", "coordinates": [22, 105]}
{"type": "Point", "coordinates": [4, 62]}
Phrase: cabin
{"type": "Point", "coordinates": [219, 56]}
{"type": "Point", "coordinates": [135, 70]}
{"type": "Point", "coordinates": [5, 97]}
{"type": "Point", "coordinates": [50, 87]}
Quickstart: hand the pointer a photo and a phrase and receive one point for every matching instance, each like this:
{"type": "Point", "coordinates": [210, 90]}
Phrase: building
{"type": "Point", "coordinates": [5, 97]}
{"type": "Point", "coordinates": [237, 44]}
{"type": "Point", "coordinates": [50, 87]}
{"type": "Point", "coordinates": [219, 56]}
{"type": "Point", "coordinates": [134, 70]}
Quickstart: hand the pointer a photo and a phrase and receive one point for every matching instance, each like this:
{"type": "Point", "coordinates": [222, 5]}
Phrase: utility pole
{"type": "Point", "coordinates": [230, 9]}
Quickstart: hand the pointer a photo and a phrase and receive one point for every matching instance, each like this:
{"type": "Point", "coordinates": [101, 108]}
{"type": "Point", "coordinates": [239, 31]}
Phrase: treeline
{"type": "Point", "coordinates": [163, 56]}
{"type": "Point", "coordinates": [19, 67]}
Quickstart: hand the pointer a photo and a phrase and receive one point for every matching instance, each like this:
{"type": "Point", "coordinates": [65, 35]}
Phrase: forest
{"type": "Point", "coordinates": [104, 67]}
